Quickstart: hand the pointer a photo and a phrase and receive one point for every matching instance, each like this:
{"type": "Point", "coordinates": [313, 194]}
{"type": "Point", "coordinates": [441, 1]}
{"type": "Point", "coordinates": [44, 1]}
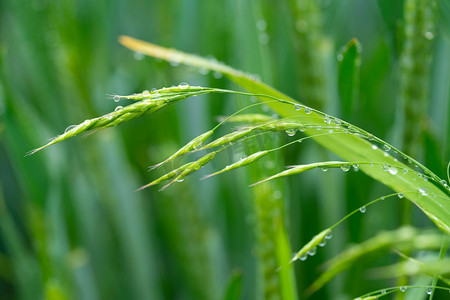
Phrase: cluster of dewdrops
{"type": "Point", "coordinates": [338, 126]}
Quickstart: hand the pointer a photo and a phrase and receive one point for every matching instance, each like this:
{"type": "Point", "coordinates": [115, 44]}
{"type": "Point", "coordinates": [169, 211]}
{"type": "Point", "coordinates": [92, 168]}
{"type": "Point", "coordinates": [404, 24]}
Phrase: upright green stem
{"type": "Point", "coordinates": [308, 25]}
{"type": "Point", "coordinates": [415, 62]}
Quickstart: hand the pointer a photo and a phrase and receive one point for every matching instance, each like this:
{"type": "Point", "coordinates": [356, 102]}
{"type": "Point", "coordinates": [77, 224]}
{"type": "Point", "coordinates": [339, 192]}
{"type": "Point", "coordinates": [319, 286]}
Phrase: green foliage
{"type": "Point", "coordinates": [73, 226]}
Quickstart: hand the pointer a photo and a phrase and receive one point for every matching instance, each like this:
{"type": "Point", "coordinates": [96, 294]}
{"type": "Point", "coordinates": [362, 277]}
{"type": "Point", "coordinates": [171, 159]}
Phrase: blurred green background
{"type": "Point", "coordinates": [72, 225]}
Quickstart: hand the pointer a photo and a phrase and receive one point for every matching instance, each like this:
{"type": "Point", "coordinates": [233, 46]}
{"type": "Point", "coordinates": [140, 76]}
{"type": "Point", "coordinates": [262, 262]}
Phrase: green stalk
{"type": "Point", "coordinates": [415, 63]}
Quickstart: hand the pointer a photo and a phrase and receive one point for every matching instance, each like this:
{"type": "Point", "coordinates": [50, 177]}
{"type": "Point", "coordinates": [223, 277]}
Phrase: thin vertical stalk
{"type": "Point", "coordinates": [415, 63]}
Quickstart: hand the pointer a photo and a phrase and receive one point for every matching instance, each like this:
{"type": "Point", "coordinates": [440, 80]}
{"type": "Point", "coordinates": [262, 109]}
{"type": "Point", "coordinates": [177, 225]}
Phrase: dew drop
{"type": "Point", "coordinates": [423, 192]}
{"type": "Point", "coordinates": [355, 167]}
{"type": "Point", "coordinates": [301, 25]}
{"type": "Point", "coordinates": [403, 288]}
{"type": "Point", "coordinates": [303, 257]}
{"type": "Point", "coordinates": [180, 180]}
{"type": "Point", "coordinates": [401, 195]}
{"type": "Point", "coordinates": [386, 167]}
{"type": "Point", "coordinates": [203, 71]}
{"type": "Point", "coordinates": [116, 98]}
{"type": "Point", "coordinates": [312, 252]}
{"type": "Point", "coordinates": [383, 292]}
{"type": "Point", "coordinates": [118, 108]}
{"type": "Point", "coordinates": [428, 35]}
{"type": "Point", "coordinates": [405, 171]}
{"type": "Point", "coordinates": [429, 291]}
{"type": "Point", "coordinates": [145, 93]}
{"type": "Point", "coordinates": [327, 120]}
{"type": "Point", "coordinates": [308, 110]}
{"type": "Point", "coordinates": [297, 107]}
{"type": "Point", "coordinates": [323, 243]}
{"type": "Point", "coordinates": [324, 169]}
{"type": "Point", "coordinates": [217, 75]}
{"type": "Point", "coordinates": [69, 128]}
{"type": "Point", "coordinates": [374, 147]}
{"type": "Point", "coordinates": [393, 170]}
{"type": "Point", "coordinates": [291, 132]}
{"type": "Point", "coordinates": [363, 209]}
{"type": "Point", "coordinates": [264, 38]}
{"type": "Point", "coordinates": [329, 236]}
{"type": "Point", "coordinates": [183, 86]}
{"type": "Point", "coordinates": [175, 63]}
{"type": "Point", "coordinates": [345, 167]}
{"type": "Point", "coordinates": [382, 198]}
{"type": "Point", "coordinates": [138, 56]}
{"type": "Point", "coordinates": [261, 25]}
{"type": "Point", "coordinates": [386, 147]}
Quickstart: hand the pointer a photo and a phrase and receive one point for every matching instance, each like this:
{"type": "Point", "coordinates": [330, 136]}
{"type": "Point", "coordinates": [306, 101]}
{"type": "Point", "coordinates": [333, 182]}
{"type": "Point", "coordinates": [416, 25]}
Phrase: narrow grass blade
{"type": "Point", "coordinates": [348, 77]}
{"type": "Point", "coordinates": [127, 113]}
{"type": "Point", "coordinates": [303, 168]}
{"type": "Point", "coordinates": [286, 273]}
{"type": "Point", "coordinates": [311, 245]}
{"type": "Point", "coordinates": [191, 167]}
{"type": "Point", "coordinates": [243, 162]}
{"type": "Point", "coordinates": [250, 118]}
{"type": "Point", "coordinates": [192, 145]}
{"type": "Point", "coordinates": [234, 287]}
{"type": "Point", "coordinates": [413, 267]}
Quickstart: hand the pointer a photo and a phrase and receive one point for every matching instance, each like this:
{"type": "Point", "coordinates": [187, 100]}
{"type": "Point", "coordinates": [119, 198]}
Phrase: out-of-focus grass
{"type": "Point", "coordinates": [72, 225]}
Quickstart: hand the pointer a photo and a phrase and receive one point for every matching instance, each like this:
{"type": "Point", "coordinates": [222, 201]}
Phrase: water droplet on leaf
{"type": "Point", "coordinates": [423, 192]}
{"type": "Point", "coordinates": [261, 25]}
{"type": "Point", "coordinates": [345, 167]}
{"type": "Point", "coordinates": [312, 252]}
{"type": "Point", "coordinates": [393, 170]}
{"type": "Point", "coordinates": [183, 86]}
{"type": "Point", "coordinates": [291, 132]}
{"type": "Point", "coordinates": [70, 128]}
{"type": "Point", "coordinates": [138, 56]}
{"type": "Point", "coordinates": [428, 35]}
{"type": "Point", "coordinates": [217, 75]}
